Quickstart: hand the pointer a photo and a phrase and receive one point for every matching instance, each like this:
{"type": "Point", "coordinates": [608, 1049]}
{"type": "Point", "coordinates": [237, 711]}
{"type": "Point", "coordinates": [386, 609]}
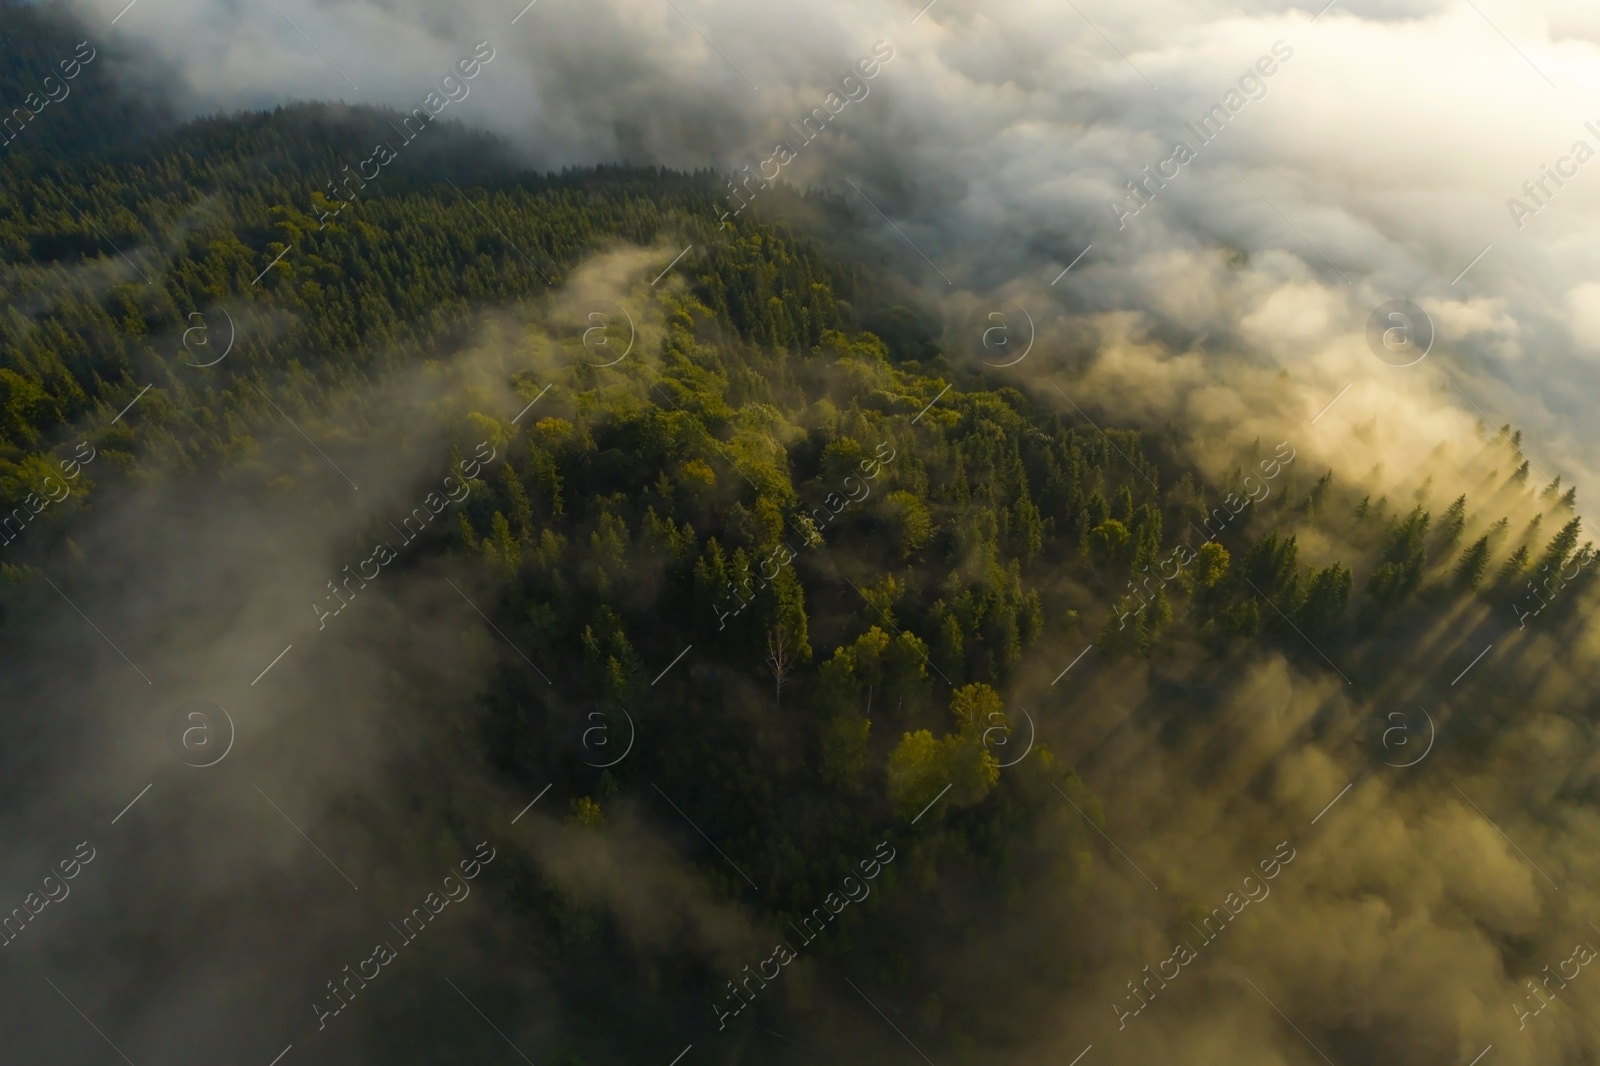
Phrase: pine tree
{"type": "Point", "coordinates": [1453, 522]}
{"type": "Point", "coordinates": [1399, 573]}
{"type": "Point", "coordinates": [1123, 510]}
{"type": "Point", "coordinates": [1313, 500]}
{"type": "Point", "coordinates": [1513, 567]}
{"type": "Point", "coordinates": [1326, 598]}
{"type": "Point", "coordinates": [1560, 546]}
{"type": "Point", "coordinates": [1469, 571]}
{"type": "Point", "coordinates": [521, 511]}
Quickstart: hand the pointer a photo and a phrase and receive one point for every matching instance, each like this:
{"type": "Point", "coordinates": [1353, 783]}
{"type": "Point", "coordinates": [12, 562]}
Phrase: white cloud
{"type": "Point", "coordinates": [1583, 316]}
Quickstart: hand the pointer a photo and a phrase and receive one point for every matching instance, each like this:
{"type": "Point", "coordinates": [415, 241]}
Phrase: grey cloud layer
{"type": "Point", "coordinates": [1001, 134]}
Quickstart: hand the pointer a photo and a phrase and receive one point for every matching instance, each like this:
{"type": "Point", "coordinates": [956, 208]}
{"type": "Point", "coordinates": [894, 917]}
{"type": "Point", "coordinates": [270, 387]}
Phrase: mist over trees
{"type": "Point", "coordinates": [823, 567]}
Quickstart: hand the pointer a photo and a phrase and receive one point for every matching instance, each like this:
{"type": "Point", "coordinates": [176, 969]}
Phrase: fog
{"type": "Point", "coordinates": [984, 160]}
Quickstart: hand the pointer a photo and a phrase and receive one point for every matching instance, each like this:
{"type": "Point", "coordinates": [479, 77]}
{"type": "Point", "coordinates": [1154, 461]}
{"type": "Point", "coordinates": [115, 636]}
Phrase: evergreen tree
{"type": "Point", "coordinates": [1469, 570]}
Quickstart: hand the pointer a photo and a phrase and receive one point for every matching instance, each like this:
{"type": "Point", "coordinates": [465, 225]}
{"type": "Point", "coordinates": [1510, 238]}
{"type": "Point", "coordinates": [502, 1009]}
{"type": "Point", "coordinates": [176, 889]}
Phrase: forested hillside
{"type": "Point", "coordinates": [814, 568]}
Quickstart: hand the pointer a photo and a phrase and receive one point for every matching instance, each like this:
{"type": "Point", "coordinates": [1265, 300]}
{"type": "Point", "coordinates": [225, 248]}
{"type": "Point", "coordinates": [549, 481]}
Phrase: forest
{"type": "Point", "coordinates": [821, 564]}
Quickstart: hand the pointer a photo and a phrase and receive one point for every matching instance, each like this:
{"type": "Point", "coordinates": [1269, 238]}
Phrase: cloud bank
{"type": "Point", "coordinates": [1376, 163]}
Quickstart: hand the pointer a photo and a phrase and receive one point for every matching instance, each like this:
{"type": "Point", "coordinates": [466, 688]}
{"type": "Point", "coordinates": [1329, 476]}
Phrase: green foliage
{"type": "Point", "coordinates": [1474, 560]}
{"type": "Point", "coordinates": [892, 668]}
{"type": "Point", "coordinates": [1242, 619]}
{"type": "Point", "coordinates": [693, 496]}
{"type": "Point", "coordinates": [1313, 501]}
{"type": "Point", "coordinates": [1450, 527]}
{"type": "Point", "coordinates": [1560, 546]}
{"type": "Point", "coordinates": [1400, 569]}
{"type": "Point", "coordinates": [1124, 631]}
{"type": "Point", "coordinates": [400, 273]}
{"type": "Point", "coordinates": [986, 620]}
{"type": "Point", "coordinates": [844, 751]}
{"type": "Point", "coordinates": [1325, 600]}
{"type": "Point", "coordinates": [974, 705]}
{"type": "Point", "coordinates": [1160, 611]}
{"type": "Point", "coordinates": [1511, 570]}
{"type": "Point", "coordinates": [910, 522]}
{"type": "Point", "coordinates": [919, 769]}
{"type": "Point", "coordinates": [921, 766]}
{"type": "Point", "coordinates": [1108, 542]}
{"type": "Point", "coordinates": [1270, 569]}
{"type": "Point", "coordinates": [586, 812]}
{"type": "Point", "coordinates": [1211, 565]}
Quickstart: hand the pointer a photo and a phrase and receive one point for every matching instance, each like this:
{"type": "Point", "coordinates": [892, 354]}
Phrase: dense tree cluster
{"type": "Point", "coordinates": [866, 545]}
